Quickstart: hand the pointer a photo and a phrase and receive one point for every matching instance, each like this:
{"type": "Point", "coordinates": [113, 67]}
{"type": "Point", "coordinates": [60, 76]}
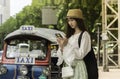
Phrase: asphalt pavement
{"type": "Point", "coordinates": [111, 74]}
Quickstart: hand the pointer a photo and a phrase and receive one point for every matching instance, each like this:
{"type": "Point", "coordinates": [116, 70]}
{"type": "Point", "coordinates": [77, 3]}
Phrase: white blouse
{"type": "Point", "coordinates": [72, 50]}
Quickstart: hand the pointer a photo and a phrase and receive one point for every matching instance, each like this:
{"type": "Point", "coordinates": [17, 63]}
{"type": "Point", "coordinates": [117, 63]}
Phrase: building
{"type": "Point", "coordinates": [4, 10]}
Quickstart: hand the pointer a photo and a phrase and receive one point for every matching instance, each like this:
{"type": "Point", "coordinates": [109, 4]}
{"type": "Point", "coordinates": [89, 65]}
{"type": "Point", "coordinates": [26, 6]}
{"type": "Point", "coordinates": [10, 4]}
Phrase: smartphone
{"type": "Point", "coordinates": [58, 35]}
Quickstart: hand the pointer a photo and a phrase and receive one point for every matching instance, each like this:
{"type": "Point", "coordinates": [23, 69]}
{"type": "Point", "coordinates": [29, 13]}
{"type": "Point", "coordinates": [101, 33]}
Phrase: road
{"type": "Point", "coordinates": [112, 74]}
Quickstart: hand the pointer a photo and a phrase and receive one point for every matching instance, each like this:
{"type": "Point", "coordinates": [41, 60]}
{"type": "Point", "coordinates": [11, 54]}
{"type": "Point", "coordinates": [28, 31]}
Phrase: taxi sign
{"type": "Point", "coordinates": [27, 29]}
{"type": "Point", "coordinates": [25, 60]}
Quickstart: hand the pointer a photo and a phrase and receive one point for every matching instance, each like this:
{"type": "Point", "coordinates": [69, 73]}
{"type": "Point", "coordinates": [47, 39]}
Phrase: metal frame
{"type": "Point", "coordinates": [108, 21]}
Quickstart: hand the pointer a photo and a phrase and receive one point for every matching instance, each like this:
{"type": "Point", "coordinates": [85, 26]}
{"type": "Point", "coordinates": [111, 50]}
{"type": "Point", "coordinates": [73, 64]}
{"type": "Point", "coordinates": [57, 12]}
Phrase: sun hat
{"type": "Point", "coordinates": [75, 13]}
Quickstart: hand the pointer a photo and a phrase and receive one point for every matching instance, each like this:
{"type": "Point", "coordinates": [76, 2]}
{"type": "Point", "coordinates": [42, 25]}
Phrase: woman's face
{"type": "Point", "coordinates": [72, 23]}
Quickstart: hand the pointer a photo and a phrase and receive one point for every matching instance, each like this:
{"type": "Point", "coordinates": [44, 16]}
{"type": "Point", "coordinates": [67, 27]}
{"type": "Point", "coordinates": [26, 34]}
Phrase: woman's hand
{"type": "Point", "coordinates": [62, 42]}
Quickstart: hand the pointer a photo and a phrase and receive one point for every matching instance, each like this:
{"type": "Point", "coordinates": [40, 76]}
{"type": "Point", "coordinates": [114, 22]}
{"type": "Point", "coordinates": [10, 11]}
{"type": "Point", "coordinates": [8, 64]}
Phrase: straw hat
{"type": "Point", "coordinates": [75, 13]}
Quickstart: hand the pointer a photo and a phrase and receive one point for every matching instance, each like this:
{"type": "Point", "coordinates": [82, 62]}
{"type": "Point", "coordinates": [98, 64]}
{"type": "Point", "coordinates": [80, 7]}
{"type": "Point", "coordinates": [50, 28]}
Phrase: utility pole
{"type": "Point", "coordinates": [98, 43]}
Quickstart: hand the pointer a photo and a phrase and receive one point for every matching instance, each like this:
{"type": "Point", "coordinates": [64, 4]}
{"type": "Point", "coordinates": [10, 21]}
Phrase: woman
{"type": "Point", "coordinates": [69, 50]}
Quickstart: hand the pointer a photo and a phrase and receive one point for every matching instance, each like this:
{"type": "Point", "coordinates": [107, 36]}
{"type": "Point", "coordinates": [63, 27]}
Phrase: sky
{"type": "Point", "coordinates": [17, 5]}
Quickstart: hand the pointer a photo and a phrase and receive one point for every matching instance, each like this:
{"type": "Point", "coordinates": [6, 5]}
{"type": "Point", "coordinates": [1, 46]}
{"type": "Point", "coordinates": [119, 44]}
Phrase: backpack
{"type": "Point", "coordinates": [90, 62]}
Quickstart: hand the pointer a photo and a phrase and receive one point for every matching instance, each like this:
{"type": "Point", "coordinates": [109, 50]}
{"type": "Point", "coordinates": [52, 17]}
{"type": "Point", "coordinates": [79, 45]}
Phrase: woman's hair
{"type": "Point", "coordinates": [80, 23]}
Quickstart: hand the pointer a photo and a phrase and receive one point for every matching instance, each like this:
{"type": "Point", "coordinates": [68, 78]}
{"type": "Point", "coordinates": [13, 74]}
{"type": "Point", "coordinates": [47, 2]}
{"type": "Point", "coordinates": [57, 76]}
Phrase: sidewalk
{"type": "Point", "coordinates": [112, 74]}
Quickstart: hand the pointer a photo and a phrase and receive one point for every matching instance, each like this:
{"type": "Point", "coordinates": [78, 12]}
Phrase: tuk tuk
{"type": "Point", "coordinates": [27, 54]}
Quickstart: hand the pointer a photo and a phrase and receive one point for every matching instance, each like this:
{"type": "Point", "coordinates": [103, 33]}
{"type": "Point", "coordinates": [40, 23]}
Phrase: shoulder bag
{"type": "Point", "coordinates": [90, 62]}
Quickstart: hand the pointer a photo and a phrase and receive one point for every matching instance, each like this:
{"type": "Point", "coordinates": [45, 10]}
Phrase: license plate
{"type": "Point", "coordinates": [23, 77]}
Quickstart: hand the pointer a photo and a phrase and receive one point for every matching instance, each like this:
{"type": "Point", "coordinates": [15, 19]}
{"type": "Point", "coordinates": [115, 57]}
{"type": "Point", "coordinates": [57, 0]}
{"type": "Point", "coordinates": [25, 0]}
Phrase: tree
{"type": "Point", "coordinates": [31, 15]}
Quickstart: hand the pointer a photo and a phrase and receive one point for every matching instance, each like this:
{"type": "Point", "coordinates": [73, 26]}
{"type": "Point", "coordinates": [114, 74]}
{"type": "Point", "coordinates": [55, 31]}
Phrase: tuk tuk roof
{"type": "Point", "coordinates": [45, 33]}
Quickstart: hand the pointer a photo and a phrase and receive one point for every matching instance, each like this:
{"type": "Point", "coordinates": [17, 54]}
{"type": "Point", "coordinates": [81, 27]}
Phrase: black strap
{"type": "Point", "coordinates": [79, 39]}
{"type": "Point", "coordinates": [90, 61]}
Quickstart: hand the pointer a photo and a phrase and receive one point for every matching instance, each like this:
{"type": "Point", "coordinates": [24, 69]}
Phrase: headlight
{"type": "Point", "coordinates": [3, 70]}
{"type": "Point", "coordinates": [46, 71]}
{"type": "Point", "coordinates": [23, 70]}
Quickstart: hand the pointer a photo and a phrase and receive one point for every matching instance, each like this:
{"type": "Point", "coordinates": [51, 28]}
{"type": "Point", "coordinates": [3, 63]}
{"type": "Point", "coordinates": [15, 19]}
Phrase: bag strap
{"type": "Point", "coordinates": [79, 39]}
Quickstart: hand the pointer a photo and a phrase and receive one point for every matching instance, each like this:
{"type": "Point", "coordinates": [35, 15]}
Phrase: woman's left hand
{"type": "Point", "coordinates": [62, 42]}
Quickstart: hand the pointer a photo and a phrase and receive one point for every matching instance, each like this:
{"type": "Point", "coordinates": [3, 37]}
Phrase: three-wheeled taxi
{"type": "Point", "coordinates": [27, 53]}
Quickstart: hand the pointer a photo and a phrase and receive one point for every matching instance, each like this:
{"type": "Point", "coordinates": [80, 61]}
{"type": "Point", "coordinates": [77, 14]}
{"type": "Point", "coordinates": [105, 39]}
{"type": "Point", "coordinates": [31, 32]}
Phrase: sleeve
{"type": "Point", "coordinates": [60, 57]}
{"type": "Point", "coordinates": [85, 46]}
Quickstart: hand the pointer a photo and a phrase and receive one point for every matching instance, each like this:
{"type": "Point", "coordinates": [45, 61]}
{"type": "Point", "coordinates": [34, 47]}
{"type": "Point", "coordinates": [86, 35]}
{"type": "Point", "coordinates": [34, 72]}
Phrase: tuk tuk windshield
{"type": "Point", "coordinates": [27, 48]}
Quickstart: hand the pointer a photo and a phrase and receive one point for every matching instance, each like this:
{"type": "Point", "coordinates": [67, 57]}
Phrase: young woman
{"type": "Point", "coordinates": [69, 50]}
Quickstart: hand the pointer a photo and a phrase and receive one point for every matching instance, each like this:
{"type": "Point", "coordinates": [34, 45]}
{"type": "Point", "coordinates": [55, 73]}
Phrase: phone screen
{"type": "Point", "coordinates": [58, 35]}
